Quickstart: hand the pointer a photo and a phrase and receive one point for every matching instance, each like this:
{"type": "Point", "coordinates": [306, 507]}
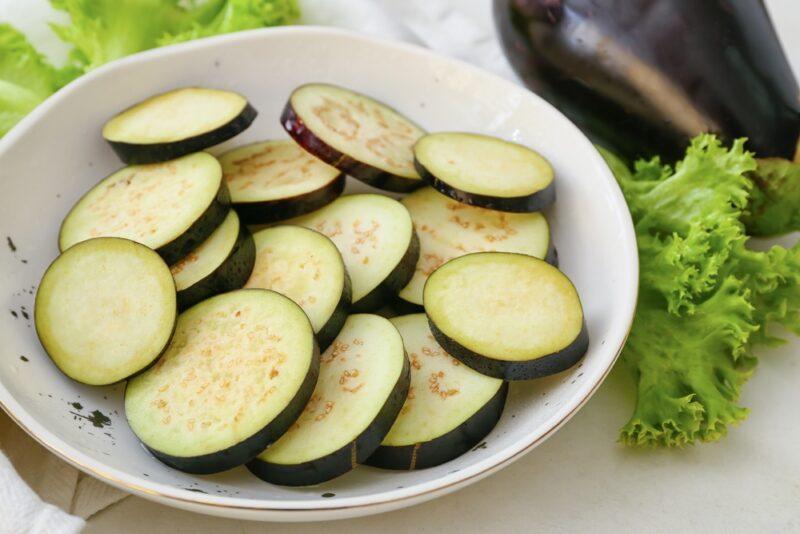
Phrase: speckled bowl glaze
{"type": "Point", "coordinates": [57, 153]}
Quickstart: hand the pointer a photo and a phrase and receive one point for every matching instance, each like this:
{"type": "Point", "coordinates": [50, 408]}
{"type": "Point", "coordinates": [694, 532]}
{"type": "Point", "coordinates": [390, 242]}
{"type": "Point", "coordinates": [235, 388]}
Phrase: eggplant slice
{"type": "Point", "coordinates": [171, 207]}
{"type": "Point", "coordinates": [275, 180]}
{"type": "Point", "coordinates": [305, 266]}
{"type": "Point", "coordinates": [105, 309]}
{"type": "Point", "coordinates": [176, 123]}
{"type": "Point", "coordinates": [377, 241]}
{"type": "Point", "coordinates": [449, 409]}
{"type": "Point", "coordinates": [363, 382]}
{"type": "Point", "coordinates": [485, 171]}
{"type": "Point", "coordinates": [238, 373]}
{"type": "Point", "coordinates": [448, 229]}
{"type": "Point", "coordinates": [221, 263]}
{"type": "Point", "coordinates": [509, 316]}
{"type": "Point", "coordinates": [356, 134]}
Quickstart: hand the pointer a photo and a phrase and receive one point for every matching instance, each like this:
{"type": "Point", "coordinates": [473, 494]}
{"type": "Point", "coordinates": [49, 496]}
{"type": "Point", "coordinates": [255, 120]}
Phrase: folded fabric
{"type": "Point", "coordinates": [21, 510]}
{"type": "Point", "coordinates": [37, 489]}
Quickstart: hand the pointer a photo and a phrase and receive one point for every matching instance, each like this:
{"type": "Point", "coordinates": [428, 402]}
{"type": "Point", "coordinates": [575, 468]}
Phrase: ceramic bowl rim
{"type": "Point", "coordinates": [370, 503]}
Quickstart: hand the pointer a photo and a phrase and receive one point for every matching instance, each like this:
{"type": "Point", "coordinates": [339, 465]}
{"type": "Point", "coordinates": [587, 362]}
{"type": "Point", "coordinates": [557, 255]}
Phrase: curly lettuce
{"type": "Point", "coordinates": [705, 298]}
{"type": "Point", "coordinates": [775, 201]}
{"type": "Point", "coordinates": [226, 16]}
{"type": "Point", "coordinates": [103, 30]}
{"type": "Point", "coordinates": [26, 77]}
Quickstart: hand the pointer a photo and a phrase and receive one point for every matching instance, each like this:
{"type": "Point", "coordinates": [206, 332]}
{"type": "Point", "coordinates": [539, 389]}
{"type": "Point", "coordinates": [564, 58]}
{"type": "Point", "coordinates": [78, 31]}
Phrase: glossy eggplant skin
{"type": "Point", "coordinates": [549, 364]}
{"type": "Point", "coordinates": [525, 204]}
{"type": "Point", "coordinates": [644, 76]}
{"type": "Point", "coordinates": [303, 136]}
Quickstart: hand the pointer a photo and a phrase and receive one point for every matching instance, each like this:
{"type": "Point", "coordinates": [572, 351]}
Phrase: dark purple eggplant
{"type": "Point", "coordinates": [644, 76]}
{"type": "Point", "coordinates": [339, 127]}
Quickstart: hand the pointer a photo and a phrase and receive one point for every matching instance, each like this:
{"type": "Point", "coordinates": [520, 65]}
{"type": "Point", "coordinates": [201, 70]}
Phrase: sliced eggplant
{"type": "Point", "coordinates": [485, 171]}
{"type": "Point", "coordinates": [105, 309]}
{"type": "Point", "coordinates": [176, 123]}
{"type": "Point", "coordinates": [363, 382]}
{"type": "Point", "coordinates": [171, 207]}
{"type": "Point", "coordinates": [448, 229]}
{"type": "Point", "coordinates": [221, 263]}
{"type": "Point", "coordinates": [509, 316]}
{"type": "Point", "coordinates": [377, 240]}
{"type": "Point", "coordinates": [275, 180]}
{"type": "Point", "coordinates": [305, 266]}
{"type": "Point", "coordinates": [237, 374]}
{"type": "Point", "coordinates": [449, 409]}
{"type": "Point", "coordinates": [356, 134]}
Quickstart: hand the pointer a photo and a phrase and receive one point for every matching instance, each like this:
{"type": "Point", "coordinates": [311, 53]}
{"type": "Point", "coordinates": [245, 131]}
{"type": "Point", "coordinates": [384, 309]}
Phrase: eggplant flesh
{"type": "Point", "coordinates": [305, 266]}
{"type": "Point", "coordinates": [242, 452]}
{"type": "Point", "coordinates": [644, 76]}
{"type": "Point", "coordinates": [347, 457]}
{"type": "Point", "coordinates": [185, 427]}
{"type": "Point", "coordinates": [230, 273]}
{"type": "Point", "coordinates": [446, 447]}
{"type": "Point", "coordinates": [363, 383]}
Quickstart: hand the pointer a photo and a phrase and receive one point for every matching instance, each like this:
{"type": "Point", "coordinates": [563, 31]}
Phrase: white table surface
{"type": "Point", "coordinates": [580, 479]}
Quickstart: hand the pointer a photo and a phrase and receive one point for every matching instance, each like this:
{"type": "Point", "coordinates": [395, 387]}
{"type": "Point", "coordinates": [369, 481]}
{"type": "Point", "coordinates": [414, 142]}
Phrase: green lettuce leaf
{"type": "Point", "coordinates": [689, 370]}
{"type": "Point", "coordinates": [226, 16]}
{"type": "Point", "coordinates": [775, 205]}
{"type": "Point", "coordinates": [104, 30]}
{"type": "Point", "coordinates": [673, 200]}
{"type": "Point", "coordinates": [772, 279]}
{"type": "Point", "coordinates": [687, 219]}
{"type": "Point", "coordinates": [705, 298]}
{"type": "Point", "coordinates": [26, 77]}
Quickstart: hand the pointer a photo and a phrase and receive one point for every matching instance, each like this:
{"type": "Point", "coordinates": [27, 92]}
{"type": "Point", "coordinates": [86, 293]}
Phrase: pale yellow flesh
{"type": "Point", "coordinates": [150, 204]}
{"type": "Point", "coordinates": [303, 265]}
{"type": "Point", "coordinates": [174, 116]}
{"type": "Point", "coordinates": [357, 374]}
{"type": "Point", "coordinates": [444, 393]}
{"type": "Point", "coordinates": [273, 170]}
{"type": "Point", "coordinates": [359, 127]}
{"type": "Point", "coordinates": [504, 306]}
{"type": "Point", "coordinates": [235, 363]}
{"type": "Point", "coordinates": [448, 229]}
{"type": "Point", "coordinates": [91, 300]}
{"type": "Point", "coordinates": [209, 255]}
{"type": "Point", "coordinates": [483, 165]}
{"type": "Point", "coordinates": [372, 232]}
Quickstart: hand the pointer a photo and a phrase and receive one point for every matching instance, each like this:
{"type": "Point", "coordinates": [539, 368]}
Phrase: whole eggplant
{"type": "Point", "coordinates": [644, 76]}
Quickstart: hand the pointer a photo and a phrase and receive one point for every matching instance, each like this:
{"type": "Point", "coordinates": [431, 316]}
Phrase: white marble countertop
{"type": "Point", "coordinates": [580, 479]}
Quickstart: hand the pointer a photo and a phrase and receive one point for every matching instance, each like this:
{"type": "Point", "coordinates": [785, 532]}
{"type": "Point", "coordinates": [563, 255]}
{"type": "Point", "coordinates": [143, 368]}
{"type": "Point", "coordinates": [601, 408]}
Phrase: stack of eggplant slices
{"type": "Point", "coordinates": [237, 294]}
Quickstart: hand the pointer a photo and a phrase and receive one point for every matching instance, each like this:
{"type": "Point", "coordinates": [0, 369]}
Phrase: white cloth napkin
{"type": "Point", "coordinates": [46, 495]}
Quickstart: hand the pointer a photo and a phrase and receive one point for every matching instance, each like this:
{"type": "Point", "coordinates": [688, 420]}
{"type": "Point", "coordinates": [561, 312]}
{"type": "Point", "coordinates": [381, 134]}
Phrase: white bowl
{"type": "Point", "coordinates": [56, 154]}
